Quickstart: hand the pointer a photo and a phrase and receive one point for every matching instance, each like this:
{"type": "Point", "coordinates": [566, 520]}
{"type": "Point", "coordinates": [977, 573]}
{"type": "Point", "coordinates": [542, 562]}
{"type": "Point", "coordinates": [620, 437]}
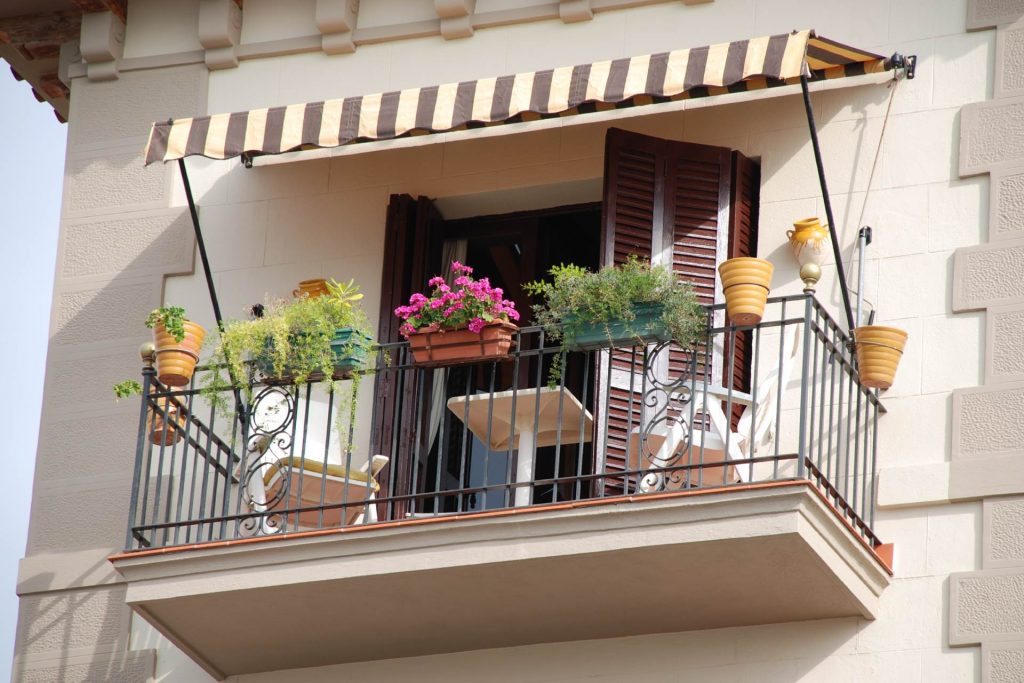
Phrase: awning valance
{"type": "Point", "coordinates": [694, 72]}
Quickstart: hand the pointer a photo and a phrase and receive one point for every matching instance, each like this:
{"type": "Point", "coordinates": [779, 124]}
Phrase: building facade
{"type": "Point", "coordinates": [784, 572]}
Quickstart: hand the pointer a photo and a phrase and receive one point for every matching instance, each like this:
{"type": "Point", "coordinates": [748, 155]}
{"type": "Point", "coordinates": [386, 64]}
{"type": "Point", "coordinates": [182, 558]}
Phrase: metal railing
{"type": "Point", "coordinates": [773, 402]}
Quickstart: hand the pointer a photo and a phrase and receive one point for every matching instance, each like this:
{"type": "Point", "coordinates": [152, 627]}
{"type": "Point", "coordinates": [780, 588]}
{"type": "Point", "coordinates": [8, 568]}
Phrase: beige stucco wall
{"type": "Point", "coordinates": [267, 227]}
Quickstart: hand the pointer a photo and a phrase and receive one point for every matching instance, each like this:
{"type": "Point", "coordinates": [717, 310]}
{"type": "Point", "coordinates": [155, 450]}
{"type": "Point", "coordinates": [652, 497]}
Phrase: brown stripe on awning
{"type": "Point", "coordinates": [733, 67]}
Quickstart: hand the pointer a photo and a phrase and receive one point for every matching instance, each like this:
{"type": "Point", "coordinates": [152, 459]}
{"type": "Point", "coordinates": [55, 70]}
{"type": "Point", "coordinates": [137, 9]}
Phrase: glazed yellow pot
{"type": "Point", "coordinates": [879, 350]}
{"type": "Point", "coordinates": [746, 282]}
{"type": "Point", "coordinates": [808, 240]}
{"type": "Point", "coordinates": [176, 361]}
{"type": "Point", "coordinates": [311, 288]}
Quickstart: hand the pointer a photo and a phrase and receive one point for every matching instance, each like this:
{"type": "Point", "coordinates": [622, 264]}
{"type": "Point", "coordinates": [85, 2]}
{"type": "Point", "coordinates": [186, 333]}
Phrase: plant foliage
{"type": "Point", "coordinates": [468, 303]}
{"type": "Point", "coordinates": [172, 318]}
{"type": "Point", "coordinates": [575, 298]}
{"type": "Point", "coordinates": [294, 340]}
{"type": "Point", "coordinates": [127, 388]}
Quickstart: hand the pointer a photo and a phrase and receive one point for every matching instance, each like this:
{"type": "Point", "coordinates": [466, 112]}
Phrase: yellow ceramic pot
{"type": "Point", "coordinates": [808, 240]}
{"type": "Point", "coordinates": [165, 430]}
{"type": "Point", "coordinates": [746, 282]}
{"type": "Point", "coordinates": [879, 350]}
{"type": "Point", "coordinates": [311, 288]}
{"type": "Point", "coordinates": [176, 361]}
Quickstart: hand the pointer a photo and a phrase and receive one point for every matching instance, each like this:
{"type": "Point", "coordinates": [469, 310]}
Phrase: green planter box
{"type": "Point", "coordinates": [350, 350]}
{"type": "Point", "coordinates": [646, 328]}
{"type": "Point", "coordinates": [350, 354]}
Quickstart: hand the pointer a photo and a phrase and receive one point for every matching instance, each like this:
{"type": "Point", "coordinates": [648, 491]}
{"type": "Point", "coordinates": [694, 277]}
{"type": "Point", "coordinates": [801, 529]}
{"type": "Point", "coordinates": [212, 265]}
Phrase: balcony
{"type": "Point", "coordinates": [650, 489]}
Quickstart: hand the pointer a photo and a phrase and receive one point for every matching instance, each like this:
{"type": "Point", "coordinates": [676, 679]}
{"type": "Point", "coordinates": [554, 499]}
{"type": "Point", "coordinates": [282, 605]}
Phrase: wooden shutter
{"type": "Point", "coordinates": [409, 245]}
{"type": "Point", "coordinates": [746, 183]}
{"type": "Point", "coordinates": [666, 201]}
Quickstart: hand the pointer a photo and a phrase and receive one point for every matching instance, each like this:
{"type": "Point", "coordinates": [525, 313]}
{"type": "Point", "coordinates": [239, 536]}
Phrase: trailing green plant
{"type": "Point", "coordinates": [294, 340]}
{"type": "Point", "coordinates": [172, 318]}
{"type": "Point", "coordinates": [575, 299]}
{"type": "Point", "coordinates": [128, 387]}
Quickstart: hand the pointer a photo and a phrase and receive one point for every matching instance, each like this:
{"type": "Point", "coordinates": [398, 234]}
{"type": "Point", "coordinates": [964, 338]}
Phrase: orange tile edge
{"type": "Point", "coordinates": [877, 553]}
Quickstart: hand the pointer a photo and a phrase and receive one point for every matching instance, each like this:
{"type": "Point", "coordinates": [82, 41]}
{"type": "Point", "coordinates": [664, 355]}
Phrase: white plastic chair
{"type": "Point", "coordinates": [754, 432]}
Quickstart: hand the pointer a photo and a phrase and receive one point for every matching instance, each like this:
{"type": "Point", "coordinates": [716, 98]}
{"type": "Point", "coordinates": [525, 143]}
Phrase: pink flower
{"type": "Point", "coordinates": [437, 303]}
{"type": "Point", "coordinates": [435, 281]}
{"type": "Point", "coordinates": [476, 324]}
{"type": "Point", "coordinates": [512, 313]}
{"type": "Point", "coordinates": [459, 268]}
{"type": "Point", "coordinates": [417, 298]}
{"type": "Point", "coordinates": [462, 280]}
{"type": "Point", "coordinates": [406, 329]}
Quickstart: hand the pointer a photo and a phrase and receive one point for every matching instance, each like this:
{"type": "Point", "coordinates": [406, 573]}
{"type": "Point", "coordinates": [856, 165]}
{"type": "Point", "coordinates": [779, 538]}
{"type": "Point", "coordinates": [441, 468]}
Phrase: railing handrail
{"type": "Point", "coordinates": [825, 344]}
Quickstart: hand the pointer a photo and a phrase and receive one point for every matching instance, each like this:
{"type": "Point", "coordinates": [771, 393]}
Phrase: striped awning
{"type": "Point", "coordinates": [681, 74]}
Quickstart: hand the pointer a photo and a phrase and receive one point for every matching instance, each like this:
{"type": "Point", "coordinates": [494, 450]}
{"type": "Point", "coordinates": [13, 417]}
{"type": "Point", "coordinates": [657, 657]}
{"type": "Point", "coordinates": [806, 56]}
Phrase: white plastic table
{"type": "Point", "coordinates": [535, 423]}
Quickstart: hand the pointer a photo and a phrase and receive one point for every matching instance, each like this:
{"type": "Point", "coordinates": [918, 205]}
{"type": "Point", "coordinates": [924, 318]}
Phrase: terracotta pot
{"type": "Point", "coordinates": [746, 282]}
{"type": "Point", "coordinates": [176, 361]}
{"type": "Point", "coordinates": [165, 431]}
{"type": "Point", "coordinates": [808, 240]}
{"type": "Point", "coordinates": [460, 345]}
{"type": "Point", "coordinates": [879, 350]}
{"type": "Point", "coordinates": [311, 288]}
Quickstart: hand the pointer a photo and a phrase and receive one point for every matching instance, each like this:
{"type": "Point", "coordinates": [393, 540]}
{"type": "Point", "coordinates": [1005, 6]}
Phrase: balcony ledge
{"type": "Point", "coordinates": [702, 559]}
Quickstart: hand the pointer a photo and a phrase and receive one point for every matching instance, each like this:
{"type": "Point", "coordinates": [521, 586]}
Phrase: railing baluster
{"type": "Point", "coordinates": [186, 490]}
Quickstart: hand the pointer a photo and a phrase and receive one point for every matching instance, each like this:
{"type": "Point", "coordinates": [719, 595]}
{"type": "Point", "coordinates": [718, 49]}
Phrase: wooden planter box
{"type": "Point", "coordinates": [442, 347]}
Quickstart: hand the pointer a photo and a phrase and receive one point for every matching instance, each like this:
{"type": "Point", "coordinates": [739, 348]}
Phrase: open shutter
{"type": "Point", "coordinates": [669, 202]}
{"type": "Point", "coordinates": [746, 183]}
{"type": "Point", "coordinates": [407, 258]}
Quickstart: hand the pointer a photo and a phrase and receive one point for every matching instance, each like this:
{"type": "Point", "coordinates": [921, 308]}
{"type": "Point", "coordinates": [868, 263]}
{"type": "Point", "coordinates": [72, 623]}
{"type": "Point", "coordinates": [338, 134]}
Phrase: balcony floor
{"type": "Point", "coordinates": [659, 563]}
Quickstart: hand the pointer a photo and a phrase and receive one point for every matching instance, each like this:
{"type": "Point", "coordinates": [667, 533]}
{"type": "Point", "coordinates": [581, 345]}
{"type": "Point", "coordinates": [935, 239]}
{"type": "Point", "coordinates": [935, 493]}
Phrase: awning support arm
{"type": "Point", "coordinates": [241, 410]}
{"type": "Point", "coordinates": [200, 242]}
{"type": "Point", "coordinates": [843, 288]}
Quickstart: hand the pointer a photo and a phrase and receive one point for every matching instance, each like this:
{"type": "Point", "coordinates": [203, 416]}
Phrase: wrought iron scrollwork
{"type": "Point", "coordinates": [666, 406]}
{"type": "Point", "coordinates": [271, 418]}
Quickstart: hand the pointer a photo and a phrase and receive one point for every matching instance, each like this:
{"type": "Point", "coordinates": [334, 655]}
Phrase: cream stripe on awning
{"type": "Point", "coordinates": [696, 72]}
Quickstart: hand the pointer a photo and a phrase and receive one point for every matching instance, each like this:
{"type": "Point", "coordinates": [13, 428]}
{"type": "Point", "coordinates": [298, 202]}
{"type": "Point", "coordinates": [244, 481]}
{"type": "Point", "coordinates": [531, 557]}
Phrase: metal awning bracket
{"type": "Point", "coordinates": [907, 65]}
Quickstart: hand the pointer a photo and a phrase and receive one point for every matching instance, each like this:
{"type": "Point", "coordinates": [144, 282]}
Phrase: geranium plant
{"type": "Point", "coordinates": [467, 303]}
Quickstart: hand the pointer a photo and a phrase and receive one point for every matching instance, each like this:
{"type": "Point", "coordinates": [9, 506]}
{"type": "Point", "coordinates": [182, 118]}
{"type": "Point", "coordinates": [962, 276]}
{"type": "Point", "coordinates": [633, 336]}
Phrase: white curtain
{"type": "Point", "coordinates": [451, 250]}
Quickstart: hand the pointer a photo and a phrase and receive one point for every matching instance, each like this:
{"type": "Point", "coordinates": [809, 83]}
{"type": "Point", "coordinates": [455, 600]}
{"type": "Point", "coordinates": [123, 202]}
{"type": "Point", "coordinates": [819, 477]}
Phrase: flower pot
{"type": "Point", "coordinates": [879, 350]}
{"type": "Point", "coordinates": [311, 288]}
{"type": "Point", "coordinates": [176, 361]}
{"type": "Point", "coordinates": [746, 282]}
{"type": "Point", "coordinates": [165, 430]}
{"type": "Point", "coordinates": [808, 240]}
{"type": "Point", "coordinates": [460, 345]}
{"type": "Point", "coordinates": [646, 328]}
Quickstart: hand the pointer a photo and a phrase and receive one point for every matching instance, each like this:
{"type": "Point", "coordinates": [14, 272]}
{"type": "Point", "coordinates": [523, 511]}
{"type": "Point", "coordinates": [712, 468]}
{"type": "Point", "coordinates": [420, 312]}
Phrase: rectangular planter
{"type": "Point", "coordinates": [646, 328]}
{"type": "Point", "coordinates": [347, 357]}
{"type": "Point", "coordinates": [444, 347]}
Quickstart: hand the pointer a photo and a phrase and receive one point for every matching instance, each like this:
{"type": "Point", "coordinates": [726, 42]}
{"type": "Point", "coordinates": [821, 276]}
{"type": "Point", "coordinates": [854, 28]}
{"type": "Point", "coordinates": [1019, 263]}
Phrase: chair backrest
{"type": "Point", "coordinates": [756, 427]}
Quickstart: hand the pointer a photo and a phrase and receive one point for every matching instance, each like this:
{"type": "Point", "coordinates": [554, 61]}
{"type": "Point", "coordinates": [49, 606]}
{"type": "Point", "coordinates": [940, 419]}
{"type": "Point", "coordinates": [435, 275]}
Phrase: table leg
{"type": "Point", "coordinates": [525, 455]}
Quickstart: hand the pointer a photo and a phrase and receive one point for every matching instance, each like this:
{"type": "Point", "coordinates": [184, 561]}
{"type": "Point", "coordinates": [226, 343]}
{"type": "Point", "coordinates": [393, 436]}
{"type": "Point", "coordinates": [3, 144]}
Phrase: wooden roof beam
{"type": "Point", "coordinates": [49, 27]}
{"type": "Point", "coordinates": [118, 7]}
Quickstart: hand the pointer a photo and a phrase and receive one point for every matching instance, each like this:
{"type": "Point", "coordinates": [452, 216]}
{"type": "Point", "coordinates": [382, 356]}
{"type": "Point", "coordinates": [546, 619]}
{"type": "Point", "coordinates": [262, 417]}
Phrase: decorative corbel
{"type": "Point", "coordinates": [220, 30]}
{"type": "Point", "coordinates": [456, 17]}
{"type": "Point", "coordinates": [575, 10]}
{"type": "Point", "coordinates": [102, 45]}
{"type": "Point", "coordinates": [336, 20]}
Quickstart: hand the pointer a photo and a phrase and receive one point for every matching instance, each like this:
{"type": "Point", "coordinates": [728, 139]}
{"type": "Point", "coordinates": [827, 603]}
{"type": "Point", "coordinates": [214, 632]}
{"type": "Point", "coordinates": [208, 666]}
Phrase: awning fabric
{"type": "Point", "coordinates": [694, 72]}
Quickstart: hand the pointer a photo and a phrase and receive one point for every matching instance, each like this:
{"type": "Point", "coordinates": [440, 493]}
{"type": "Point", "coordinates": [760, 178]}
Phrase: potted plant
{"type": "Point", "coordinates": [178, 341]}
{"type": "Point", "coordinates": [746, 282]}
{"type": "Point", "coordinates": [166, 425]}
{"type": "Point", "coordinates": [467, 321]}
{"type": "Point", "coordinates": [633, 303]}
{"type": "Point", "coordinates": [879, 349]}
{"type": "Point", "coordinates": [295, 340]}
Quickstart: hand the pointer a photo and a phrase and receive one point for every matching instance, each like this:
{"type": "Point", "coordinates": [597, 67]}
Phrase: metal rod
{"type": "Point", "coordinates": [199, 241]}
{"type": "Point", "coordinates": [864, 239]}
{"type": "Point", "coordinates": [828, 203]}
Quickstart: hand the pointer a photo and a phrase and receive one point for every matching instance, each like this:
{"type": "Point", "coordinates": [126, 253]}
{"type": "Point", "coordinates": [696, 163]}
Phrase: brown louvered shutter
{"type": "Point", "coordinates": [410, 246]}
{"type": "Point", "coordinates": [666, 201]}
{"type": "Point", "coordinates": [746, 183]}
